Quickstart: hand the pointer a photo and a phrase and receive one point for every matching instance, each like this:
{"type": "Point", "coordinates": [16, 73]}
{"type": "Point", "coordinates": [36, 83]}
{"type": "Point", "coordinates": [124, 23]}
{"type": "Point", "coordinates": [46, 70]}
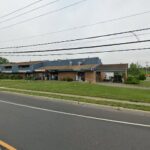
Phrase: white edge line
{"type": "Point", "coordinates": [76, 115]}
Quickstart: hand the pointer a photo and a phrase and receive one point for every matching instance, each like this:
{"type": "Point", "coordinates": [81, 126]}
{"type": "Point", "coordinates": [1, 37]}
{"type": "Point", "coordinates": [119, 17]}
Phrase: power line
{"type": "Point", "coordinates": [120, 37]}
{"type": "Point", "coordinates": [44, 14]}
{"type": "Point", "coordinates": [78, 48]}
{"type": "Point", "coordinates": [45, 5]}
{"type": "Point", "coordinates": [77, 39]}
{"type": "Point", "coordinates": [22, 8]}
{"type": "Point", "coordinates": [101, 35]}
{"type": "Point", "coordinates": [94, 52]}
{"type": "Point", "coordinates": [77, 27]}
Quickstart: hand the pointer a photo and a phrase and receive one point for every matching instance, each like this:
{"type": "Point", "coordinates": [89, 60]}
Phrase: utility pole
{"type": "Point", "coordinates": [147, 65]}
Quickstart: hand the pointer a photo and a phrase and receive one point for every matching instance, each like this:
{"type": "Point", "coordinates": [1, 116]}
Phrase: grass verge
{"type": "Point", "coordinates": [145, 83]}
{"type": "Point", "coordinates": [92, 101]}
{"type": "Point", "coordinates": [82, 89]}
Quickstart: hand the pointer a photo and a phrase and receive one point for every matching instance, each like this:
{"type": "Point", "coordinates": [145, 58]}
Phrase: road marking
{"type": "Point", "coordinates": [76, 115]}
{"type": "Point", "coordinates": [6, 146]}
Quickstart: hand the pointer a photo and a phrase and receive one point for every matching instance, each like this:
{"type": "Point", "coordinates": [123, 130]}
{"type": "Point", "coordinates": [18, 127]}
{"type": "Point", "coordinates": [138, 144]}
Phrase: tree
{"type": "Point", "coordinates": [134, 69]}
{"type": "Point", "coordinates": [3, 60]}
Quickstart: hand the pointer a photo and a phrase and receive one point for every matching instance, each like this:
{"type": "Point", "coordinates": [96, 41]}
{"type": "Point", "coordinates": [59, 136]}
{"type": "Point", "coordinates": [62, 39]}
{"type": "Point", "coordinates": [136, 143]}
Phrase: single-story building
{"type": "Point", "coordinates": [21, 68]}
{"type": "Point", "coordinates": [85, 69]}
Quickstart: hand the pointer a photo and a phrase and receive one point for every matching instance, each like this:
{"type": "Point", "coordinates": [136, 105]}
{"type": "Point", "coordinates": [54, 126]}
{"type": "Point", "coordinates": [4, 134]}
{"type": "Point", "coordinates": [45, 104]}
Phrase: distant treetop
{"type": "Point", "coordinates": [3, 60]}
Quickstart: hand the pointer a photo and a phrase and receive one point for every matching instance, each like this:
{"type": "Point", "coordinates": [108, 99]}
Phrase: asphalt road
{"type": "Point", "coordinates": [31, 123]}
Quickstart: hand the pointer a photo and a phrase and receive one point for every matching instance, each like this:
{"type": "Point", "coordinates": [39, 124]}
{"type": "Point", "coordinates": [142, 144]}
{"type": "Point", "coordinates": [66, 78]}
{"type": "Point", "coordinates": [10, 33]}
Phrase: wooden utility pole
{"type": "Point", "coordinates": [147, 65]}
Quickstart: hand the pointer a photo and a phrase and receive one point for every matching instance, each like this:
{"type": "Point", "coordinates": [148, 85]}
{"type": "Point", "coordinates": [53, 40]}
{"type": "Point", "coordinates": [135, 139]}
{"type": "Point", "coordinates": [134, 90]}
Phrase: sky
{"type": "Point", "coordinates": [85, 13]}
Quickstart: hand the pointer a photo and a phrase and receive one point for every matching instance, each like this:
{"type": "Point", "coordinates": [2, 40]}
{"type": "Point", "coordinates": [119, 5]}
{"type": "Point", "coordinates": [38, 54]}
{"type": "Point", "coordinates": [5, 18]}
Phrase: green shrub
{"type": "Point", "coordinates": [10, 76]}
{"type": "Point", "coordinates": [4, 76]}
{"type": "Point", "coordinates": [142, 77]}
{"type": "Point", "coordinates": [132, 80]}
{"type": "Point", "coordinates": [67, 79]}
{"type": "Point", "coordinates": [15, 77]}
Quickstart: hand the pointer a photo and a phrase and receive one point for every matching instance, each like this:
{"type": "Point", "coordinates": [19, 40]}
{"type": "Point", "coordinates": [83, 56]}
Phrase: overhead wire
{"type": "Point", "coordinates": [77, 39]}
{"type": "Point", "coordinates": [93, 52]}
{"type": "Point", "coordinates": [29, 11]}
{"type": "Point", "coordinates": [114, 38]}
{"type": "Point", "coordinates": [76, 27]}
{"type": "Point", "coordinates": [44, 14]}
{"type": "Point", "coordinates": [78, 48]}
{"type": "Point", "coordinates": [22, 8]}
{"type": "Point", "coordinates": [80, 39]}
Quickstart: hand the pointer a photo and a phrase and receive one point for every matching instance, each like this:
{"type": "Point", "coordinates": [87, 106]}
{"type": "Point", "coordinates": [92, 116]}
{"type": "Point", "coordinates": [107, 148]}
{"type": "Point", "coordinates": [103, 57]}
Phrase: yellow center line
{"type": "Point", "coordinates": [6, 146]}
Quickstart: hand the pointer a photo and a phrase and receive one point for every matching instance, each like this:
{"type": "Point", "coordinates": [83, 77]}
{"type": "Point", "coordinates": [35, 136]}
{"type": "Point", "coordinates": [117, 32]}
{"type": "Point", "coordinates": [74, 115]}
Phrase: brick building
{"type": "Point", "coordinates": [85, 69]}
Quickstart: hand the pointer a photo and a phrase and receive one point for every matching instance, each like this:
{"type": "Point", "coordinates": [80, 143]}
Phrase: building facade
{"type": "Point", "coordinates": [85, 69]}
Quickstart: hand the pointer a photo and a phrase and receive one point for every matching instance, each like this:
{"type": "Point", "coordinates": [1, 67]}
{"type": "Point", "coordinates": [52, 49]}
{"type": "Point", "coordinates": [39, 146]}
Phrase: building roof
{"type": "Point", "coordinates": [67, 62]}
{"type": "Point", "coordinates": [22, 63]}
{"type": "Point", "coordinates": [73, 62]}
{"type": "Point", "coordinates": [68, 68]}
{"type": "Point", "coordinates": [112, 67]}
{"type": "Point", "coordinates": [28, 63]}
{"type": "Point", "coordinates": [82, 64]}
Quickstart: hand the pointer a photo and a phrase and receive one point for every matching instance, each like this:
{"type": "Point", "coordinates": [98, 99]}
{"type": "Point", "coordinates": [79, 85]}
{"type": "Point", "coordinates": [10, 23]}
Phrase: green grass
{"type": "Point", "coordinates": [84, 89]}
{"type": "Point", "coordinates": [91, 101]}
{"type": "Point", "coordinates": [145, 83]}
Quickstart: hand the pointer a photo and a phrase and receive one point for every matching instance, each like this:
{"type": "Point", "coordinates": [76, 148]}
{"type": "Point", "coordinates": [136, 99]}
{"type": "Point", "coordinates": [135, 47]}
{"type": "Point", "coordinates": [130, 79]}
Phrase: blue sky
{"type": "Point", "coordinates": [88, 12]}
